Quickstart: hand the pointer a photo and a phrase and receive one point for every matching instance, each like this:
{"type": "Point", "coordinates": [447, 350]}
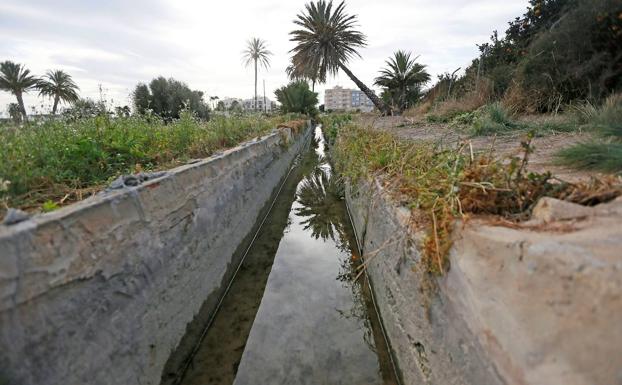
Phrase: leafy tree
{"type": "Point", "coordinates": [326, 42]}
{"type": "Point", "coordinates": [86, 108]}
{"type": "Point", "coordinates": [402, 80]}
{"type": "Point", "coordinates": [58, 85]}
{"type": "Point", "coordinates": [297, 97]}
{"type": "Point", "coordinates": [168, 97]}
{"type": "Point", "coordinates": [235, 107]}
{"type": "Point", "coordinates": [16, 79]}
{"type": "Point", "coordinates": [256, 53]}
{"type": "Point", "coordinates": [220, 106]}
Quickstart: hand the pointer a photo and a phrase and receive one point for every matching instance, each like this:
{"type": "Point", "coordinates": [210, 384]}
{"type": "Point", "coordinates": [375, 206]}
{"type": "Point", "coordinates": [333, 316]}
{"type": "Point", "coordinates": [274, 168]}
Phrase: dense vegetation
{"type": "Point", "coordinates": [557, 53]}
{"type": "Point", "coordinates": [60, 161]}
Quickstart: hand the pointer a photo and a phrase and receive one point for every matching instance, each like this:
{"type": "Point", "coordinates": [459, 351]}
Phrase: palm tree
{"type": "Point", "coordinates": [321, 198]}
{"type": "Point", "coordinates": [402, 79]}
{"type": "Point", "coordinates": [58, 85]}
{"type": "Point", "coordinates": [16, 79]}
{"type": "Point", "coordinates": [326, 42]}
{"type": "Point", "coordinates": [256, 52]}
{"type": "Point", "coordinates": [302, 73]}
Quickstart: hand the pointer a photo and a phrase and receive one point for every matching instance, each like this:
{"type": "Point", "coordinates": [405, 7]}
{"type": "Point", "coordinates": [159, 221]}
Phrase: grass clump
{"type": "Point", "coordinates": [441, 185]}
{"type": "Point", "coordinates": [494, 119]}
{"type": "Point", "coordinates": [604, 153]}
{"type": "Point", "coordinates": [596, 156]}
{"type": "Point", "coordinates": [59, 161]}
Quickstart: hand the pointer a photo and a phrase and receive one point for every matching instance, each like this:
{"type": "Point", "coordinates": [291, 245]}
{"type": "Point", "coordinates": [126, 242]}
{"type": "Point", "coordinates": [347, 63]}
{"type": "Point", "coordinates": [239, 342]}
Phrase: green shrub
{"type": "Point", "coordinates": [297, 97]}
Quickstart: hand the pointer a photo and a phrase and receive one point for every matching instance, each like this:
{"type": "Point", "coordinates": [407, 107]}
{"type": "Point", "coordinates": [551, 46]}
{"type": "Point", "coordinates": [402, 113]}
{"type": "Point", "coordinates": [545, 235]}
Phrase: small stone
{"type": "Point", "coordinates": [117, 184]}
{"type": "Point", "coordinates": [551, 209]}
{"type": "Point", "coordinates": [14, 216]}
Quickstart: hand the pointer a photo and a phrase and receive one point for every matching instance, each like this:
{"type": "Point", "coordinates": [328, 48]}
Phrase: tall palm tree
{"type": "Point", "coordinates": [58, 85]}
{"type": "Point", "coordinates": [256, 53]}
{"type": "Point", "coordinates": [327, 41]}
{"type": "Point", "coordinates": [16, 79]}
{"type": "Point", "coordinates": [402, 79]}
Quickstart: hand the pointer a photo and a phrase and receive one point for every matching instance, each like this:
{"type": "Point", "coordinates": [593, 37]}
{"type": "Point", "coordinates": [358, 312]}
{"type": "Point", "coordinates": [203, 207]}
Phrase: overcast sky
{"type": "Point", "coordinates": [118, 43]}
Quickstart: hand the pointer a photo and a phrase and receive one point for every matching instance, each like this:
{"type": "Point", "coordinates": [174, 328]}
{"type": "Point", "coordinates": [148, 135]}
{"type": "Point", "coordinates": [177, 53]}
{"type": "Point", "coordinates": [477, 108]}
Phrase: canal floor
{"type": "Point", "coordinates": [294, 313]}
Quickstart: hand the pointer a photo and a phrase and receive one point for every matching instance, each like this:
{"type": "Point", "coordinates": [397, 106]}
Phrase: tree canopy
{"type": "Point", "coordinates": [168, 97]}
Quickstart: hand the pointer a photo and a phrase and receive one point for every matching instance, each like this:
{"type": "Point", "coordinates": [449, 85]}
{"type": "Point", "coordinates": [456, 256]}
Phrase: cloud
{"type": "Point", "coordinates": [118, 43]}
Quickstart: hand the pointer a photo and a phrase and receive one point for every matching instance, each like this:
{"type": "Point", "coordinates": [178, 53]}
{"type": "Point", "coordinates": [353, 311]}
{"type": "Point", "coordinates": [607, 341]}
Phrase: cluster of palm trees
{"type": "Point", "coordinates": [327, 39]}
{"type": "Point", "coordinates": [18, 80]}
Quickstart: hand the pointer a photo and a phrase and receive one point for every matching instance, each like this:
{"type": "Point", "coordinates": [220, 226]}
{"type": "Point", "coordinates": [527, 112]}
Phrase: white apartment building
{"type": "Point", "coordinates": [249, 104]}
{"type": "Point", "coordinates": [343, 99]}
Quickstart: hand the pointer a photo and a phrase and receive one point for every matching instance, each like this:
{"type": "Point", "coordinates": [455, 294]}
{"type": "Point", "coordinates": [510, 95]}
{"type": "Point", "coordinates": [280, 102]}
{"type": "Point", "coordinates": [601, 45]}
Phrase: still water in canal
{"type": "Point", "coordinates": [294, 313]}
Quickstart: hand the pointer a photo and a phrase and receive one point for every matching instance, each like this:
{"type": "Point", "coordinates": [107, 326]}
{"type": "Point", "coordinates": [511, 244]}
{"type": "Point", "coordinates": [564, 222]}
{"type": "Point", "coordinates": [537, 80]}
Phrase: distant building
{"type": "Point", "coordinates": [249, 104]}
{"type": "Point", "coordinates": [343, 99]}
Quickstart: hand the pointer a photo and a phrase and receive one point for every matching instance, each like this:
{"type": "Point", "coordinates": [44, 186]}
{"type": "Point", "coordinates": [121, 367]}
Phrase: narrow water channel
{"type": "Point", "coordinates": [294, 313]}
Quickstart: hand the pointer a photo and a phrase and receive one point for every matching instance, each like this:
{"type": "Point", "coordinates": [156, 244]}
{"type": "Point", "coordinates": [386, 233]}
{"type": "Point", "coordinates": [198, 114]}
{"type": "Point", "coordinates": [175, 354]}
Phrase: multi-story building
{"type": "Point", "coordinates": [249, 104]}
{"type": "Point", "coordinates": [343, 99]}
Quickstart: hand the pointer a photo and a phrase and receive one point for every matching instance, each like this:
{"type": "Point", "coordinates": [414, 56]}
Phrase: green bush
{"type": "Point", "coordinates": [297, 97]}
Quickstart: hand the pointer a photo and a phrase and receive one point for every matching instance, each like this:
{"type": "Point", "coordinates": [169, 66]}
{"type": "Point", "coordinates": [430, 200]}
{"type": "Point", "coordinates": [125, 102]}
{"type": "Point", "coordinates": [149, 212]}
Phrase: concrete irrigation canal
{"type": "Point", "coordinates": [293, 313]}
{"type": "Point", "coordinates": [236, 269]}
{"type": "Point", "coordinates": [245, 268]}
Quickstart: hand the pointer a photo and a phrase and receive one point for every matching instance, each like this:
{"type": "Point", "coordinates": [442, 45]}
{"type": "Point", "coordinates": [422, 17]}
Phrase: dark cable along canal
{"type": "Point", "coordinates": [294, 313]}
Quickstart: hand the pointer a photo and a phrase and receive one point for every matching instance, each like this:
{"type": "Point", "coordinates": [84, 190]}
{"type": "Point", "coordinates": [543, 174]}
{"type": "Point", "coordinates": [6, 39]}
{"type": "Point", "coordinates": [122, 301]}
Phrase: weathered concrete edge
{"type": "Point", "coordinates": [429, 340]}
{"type": "Point", "coordinates": [45, 276]}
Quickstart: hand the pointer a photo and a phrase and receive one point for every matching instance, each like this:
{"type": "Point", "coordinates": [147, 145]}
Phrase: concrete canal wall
{"type": "Point", "coordinates": [537, 304]}
{"type": "Point", "coordinates": [101, 292]}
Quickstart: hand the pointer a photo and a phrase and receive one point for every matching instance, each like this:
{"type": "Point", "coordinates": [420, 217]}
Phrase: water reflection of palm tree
{"type": "Point", "coordinates": [321, 198]}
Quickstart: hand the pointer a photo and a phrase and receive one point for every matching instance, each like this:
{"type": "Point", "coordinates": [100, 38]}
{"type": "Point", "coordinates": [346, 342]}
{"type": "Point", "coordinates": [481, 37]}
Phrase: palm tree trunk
{"type": "Point", "coordinates": [20, 102]}
{"type": "Point", "coordinates": [255, 84]}
{"type": "Point", "coordinates": [55, 106]}
{"type": "Point", "coordinates": [380, 105]}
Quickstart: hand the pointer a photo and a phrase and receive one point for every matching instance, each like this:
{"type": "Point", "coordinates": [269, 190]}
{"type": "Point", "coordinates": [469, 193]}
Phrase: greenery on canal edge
{"type": "Point", "coordinates": [55, 162]}
{"type": "Point", "coordinates": [440, 185]}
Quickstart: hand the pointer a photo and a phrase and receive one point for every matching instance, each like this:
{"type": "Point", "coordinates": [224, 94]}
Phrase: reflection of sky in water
{"type": "Point", "coordinates": [312, 326]}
